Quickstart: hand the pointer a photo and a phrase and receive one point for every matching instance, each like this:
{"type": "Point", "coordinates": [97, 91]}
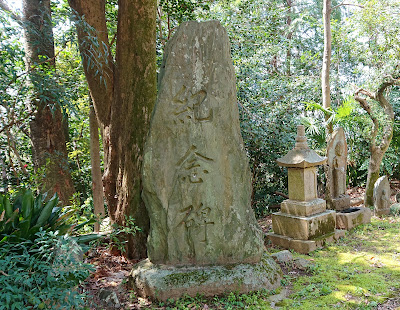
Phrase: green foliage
{"type": "Point", "coordinates": [120, 233]}
{"type": "Point", "coordinates": [22, 216]}
{"type": "Point", "coordinates": [43, 274]}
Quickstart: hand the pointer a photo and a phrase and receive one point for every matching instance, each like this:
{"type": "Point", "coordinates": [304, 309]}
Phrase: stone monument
{"type": "Point", "coordinates": [336, 197]}
{"type": "Point", "coordinates": [204, 237]}
{"type": "Point", "coordinates": [382, 196]}
{"type": "Point", "coordinates": [303, 224]}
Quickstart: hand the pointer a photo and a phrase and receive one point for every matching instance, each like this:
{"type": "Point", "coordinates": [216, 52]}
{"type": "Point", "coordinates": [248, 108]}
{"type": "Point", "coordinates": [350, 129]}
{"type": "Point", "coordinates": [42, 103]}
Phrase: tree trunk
{"type": "Point", "coordinates": [375, 161]}
{"type": "Point", "coordinates": [97, 186]}
{"type": "Point", "coordinates": [326, 62]}
{"type": "Point", "coordinates": [123, 103]}
{"type": "Point", "coordinates": [377, 150]}
{"type": "Point", "coordinates": [48, 123]}
{"type": "Point", "coordinates": [289, 35]}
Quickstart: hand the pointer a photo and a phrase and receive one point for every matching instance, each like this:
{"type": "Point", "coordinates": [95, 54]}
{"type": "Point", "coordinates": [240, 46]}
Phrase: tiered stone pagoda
{"type": "Point", "coordinates": [303, 224]}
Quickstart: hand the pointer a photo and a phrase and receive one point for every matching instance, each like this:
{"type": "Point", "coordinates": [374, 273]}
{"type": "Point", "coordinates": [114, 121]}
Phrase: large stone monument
{"type": "Point", "coordinates": [204, 237]}
{"type": "Point", "coordinates": [336, 197]}
{"type": "Point", "coordinates": [303, 224]}
{"type": "Point", "coordinates": [382, 196]}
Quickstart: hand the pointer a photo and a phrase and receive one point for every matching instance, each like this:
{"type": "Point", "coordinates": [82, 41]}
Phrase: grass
{"type": "Point", "coordinates": [360, 271]}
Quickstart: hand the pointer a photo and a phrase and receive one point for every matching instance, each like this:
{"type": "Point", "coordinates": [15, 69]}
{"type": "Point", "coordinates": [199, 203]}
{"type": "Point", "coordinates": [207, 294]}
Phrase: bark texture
{"type": "Point", "coordinates": [97, 187]}
{"type": "Point", "coordinates": [326, 62]}
{"type": "Point", "coordinates": [123, 94]}
{"type": "Point", "coordinates": [47, 128]}
{"type": "Point", "coordinates": [377, 148]}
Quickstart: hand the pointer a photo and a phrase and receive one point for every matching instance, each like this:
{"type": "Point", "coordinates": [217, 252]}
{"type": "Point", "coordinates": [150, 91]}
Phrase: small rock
{"type": "Point", "coordinates": [275, 299]}
{"type": "Point", "coordinates": [110, 298]}
{"type": "Point", "coordinates": [395, 209]}
{"type": "Point", "coordinates": [302, 263]}
{"type": "Point", "coordinates": [282, 257]}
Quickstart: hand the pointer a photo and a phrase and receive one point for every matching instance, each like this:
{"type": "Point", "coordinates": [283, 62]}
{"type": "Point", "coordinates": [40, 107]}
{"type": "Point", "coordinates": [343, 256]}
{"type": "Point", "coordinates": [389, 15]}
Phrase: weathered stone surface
{"type": "Point", "coordinates": [335, 170]}
{"type": "Point", "coordinates": [301, 156]}
{"type": "Point", "coordinates": [304, 227]}
{"type": "Point", "coordinates": [302, 183]}
{"type": "Point", "coordinates": [197, 186]}
{"type": "Point", "coordinates": [305, 246]}
{"type": "Point", "coordinates": [348, 220]}
{"type": "Point", "coordinates": [282, 257]}
{"type": "Point", "coordinates": [303, 208]}
{"type": "Point", "coordinates": [162, 282]}
{"type": "Point", "coordinates": [341, 203]}
{"type": "Point", "coordinates": [382, 196]}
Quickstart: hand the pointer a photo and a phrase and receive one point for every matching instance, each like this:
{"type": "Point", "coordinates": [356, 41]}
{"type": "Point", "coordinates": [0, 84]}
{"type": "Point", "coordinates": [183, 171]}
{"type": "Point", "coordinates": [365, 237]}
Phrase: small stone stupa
{"type": "Point", "coordinates": [335, 195]}
{"type": "Point", "coordinates": [303, 224]}
{"type": "Point", "coordinates": [204, 237]}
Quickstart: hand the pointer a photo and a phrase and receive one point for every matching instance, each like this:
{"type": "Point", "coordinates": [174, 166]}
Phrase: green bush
{"type": "Point", "coordinates": [43, 274]}
{"type": "Point", "coordinates": [22, 216]}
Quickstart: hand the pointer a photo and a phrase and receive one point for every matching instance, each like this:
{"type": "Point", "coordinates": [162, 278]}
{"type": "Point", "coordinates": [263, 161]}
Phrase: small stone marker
{"type": "Point", "coordinates": [204, 237]}
{"type": "Point", "coordinates": [336, 197]}
{"type": "Point", "coordinates": [336, 166]}
{"type": "Point", "coordinates": [382, 196]}
{"type": "Point", "coordinates": [303, 224]}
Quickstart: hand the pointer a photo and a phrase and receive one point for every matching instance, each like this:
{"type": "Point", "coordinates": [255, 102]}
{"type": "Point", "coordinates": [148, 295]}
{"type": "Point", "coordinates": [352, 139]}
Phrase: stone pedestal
{"type": "Point", "coordinates": [303, 224]}
{"type": "Point", "coordinates": [162, 282]}
{"type": "Point", "coordinates": [352, 217]}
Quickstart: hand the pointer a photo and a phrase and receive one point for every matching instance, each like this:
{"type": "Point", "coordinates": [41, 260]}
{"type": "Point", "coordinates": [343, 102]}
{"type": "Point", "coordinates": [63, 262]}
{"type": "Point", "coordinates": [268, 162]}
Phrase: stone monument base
{"type": "Point", "coordinates": [162, 282]}
{"type": "Point", "coordinates": [352, 217]}
{"type": "Point", "coordinates": [305, 246]}
{"type": "Point", "coordinates": [380, 212]}
{"type": "Point", "coordinates": [341, 203]}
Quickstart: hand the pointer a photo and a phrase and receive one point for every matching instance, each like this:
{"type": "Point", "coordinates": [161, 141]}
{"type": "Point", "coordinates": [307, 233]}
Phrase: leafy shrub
{"type": "Point", "coordinates": [23, 216]}
{"type": "Point", "coordinates": [42, 274]}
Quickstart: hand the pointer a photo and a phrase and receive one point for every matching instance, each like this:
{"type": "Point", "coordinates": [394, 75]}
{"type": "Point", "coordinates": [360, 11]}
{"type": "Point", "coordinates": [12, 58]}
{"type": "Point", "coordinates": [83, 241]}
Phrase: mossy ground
{"type": "Point", "coordinates": [361, 271]}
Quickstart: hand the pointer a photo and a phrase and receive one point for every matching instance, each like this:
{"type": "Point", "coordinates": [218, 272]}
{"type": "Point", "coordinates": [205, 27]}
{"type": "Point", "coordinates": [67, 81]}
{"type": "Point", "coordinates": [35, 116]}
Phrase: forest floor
{"type": "Point", "coordinates": [360, 271]}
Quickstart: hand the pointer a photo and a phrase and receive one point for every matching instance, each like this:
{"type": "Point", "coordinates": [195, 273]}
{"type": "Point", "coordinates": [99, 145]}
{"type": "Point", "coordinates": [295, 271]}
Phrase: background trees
{"type": "Point", "coordinates": [277, 49]}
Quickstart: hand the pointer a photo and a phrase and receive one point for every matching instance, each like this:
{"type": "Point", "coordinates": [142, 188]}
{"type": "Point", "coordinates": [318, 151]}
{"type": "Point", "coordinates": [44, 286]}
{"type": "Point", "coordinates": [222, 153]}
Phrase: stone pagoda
{"type": "Point", "coordinates": [303, 224]}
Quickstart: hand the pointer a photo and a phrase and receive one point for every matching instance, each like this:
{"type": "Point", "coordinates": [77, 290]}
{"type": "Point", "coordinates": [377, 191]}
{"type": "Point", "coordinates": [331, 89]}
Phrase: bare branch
{"type": "Point", "coordinates": [4, 6]}
{"type": "Point", "coordinates": [348, 4]}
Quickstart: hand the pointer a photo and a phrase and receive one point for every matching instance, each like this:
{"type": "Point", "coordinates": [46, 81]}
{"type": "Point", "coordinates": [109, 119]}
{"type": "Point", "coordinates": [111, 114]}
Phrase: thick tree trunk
{"type": "Point", "coordinates": [134, 100]}
{"type": "Point", "coordinates": [326, 62]}
{"type": "Point", "coordinates": [48, 125]}
{"type": "Point", "coordinates": [124, 104]}
{"type": "Point", "coordinates": [97, 185]}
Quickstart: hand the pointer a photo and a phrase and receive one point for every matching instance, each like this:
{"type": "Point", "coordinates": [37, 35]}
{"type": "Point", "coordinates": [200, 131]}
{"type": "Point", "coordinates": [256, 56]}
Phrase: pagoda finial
{"type": "Point", "coordinates": [301, 139]}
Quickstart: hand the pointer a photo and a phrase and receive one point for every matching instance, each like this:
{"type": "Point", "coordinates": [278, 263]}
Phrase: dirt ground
{"type": "Point", "coordinates": [112, 269]}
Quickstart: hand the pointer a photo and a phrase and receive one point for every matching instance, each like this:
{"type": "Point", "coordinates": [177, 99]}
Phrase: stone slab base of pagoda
{"type": "Point", "coordinates": [352, 217]}
{"type": "Point", "coordinates": [305, 246]}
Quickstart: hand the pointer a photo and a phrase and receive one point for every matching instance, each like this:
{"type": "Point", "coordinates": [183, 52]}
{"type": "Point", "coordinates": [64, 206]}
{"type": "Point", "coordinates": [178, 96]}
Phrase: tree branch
{"type": "Point", "coordinates": [4, 6]}
{"type": "Point", "coordinates": [348, 4]}
{"type": "Point", "coordinates": [364, 104]}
